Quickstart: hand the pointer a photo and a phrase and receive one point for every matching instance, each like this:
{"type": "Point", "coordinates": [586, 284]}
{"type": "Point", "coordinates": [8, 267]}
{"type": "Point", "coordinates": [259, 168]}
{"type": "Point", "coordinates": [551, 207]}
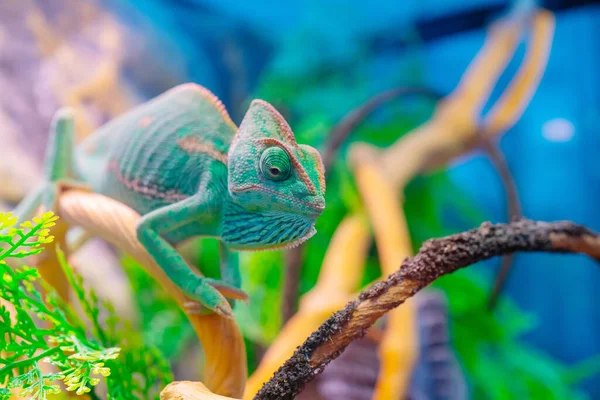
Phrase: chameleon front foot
{"type": "Point", "coordinates": [207, 297]}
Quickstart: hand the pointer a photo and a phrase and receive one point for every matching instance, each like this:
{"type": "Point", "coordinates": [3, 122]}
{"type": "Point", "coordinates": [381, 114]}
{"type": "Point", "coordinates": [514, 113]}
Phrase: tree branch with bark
{"type": "Point", "coordinates": [437, 257]}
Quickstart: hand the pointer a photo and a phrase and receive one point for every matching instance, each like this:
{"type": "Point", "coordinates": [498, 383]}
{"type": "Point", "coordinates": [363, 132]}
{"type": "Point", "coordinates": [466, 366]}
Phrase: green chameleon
{"type": "Point", "coordinates": [183, 165]}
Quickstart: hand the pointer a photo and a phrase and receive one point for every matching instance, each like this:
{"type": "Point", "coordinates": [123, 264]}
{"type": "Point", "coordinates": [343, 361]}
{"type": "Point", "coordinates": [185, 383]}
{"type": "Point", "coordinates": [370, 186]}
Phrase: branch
{"type": "Point", "coordinates": [186, 390]}
{"type": "Point", "coordinates": [514, 210]}
{"type": "Point", "coordinates": [437, 257]}
{"type": "Point", "coordinates": [291, 283]}
{"type": "Point", "coordinates": [224, 369]}
{"type": "Point", "coordinates": [352, 119]}
{"type": "Point", "coordinates": [499, 162]}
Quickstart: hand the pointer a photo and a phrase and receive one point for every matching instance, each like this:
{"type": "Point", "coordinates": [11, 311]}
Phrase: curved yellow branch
{"type": "Point", "coordinates": [186, 390]}
{"type": "Point", "coordinates": [452, 131]}
{"type": "Point", "coordinates": [340, 276]}
{"type": "Point", "coordinates": [393, 244]}
{"type": "Point", "coordinates": [481, 76]}
{"type": "Point", "coordinates": [225, 368]}
{"type": "Point", "coordinates": [511, 105]}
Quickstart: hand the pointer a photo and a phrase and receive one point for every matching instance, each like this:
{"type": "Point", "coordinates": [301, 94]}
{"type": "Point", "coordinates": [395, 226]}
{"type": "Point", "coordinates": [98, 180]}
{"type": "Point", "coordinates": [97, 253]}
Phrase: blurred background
{"type": "Point", "coordinates": [316, 61]}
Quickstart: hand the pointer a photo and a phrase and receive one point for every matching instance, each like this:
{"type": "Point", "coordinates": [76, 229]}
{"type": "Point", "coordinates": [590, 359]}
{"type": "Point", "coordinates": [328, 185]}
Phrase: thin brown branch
{"type": "Point", "coordinates": [437, 257]}
{"type": "Point", "coordinates": [514, 211]}
{"type": "Point", "coordinates": [291, 284]}
{"type": "Point", "coordinates": [351, 120]}
{"type": "Point", "coordinates": [499, 162]}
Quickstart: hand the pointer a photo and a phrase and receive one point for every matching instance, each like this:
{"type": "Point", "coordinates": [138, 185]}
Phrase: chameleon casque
{"type": "Point", "coordinates": [184, 166]}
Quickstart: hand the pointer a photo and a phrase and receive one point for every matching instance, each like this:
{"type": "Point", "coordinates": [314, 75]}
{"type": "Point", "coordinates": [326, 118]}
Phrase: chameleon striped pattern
{"type": "Point", "coordinates": [192, 145]}
{"type": "Point", "coordinates": [151, 192]}
{"type": "Point", "coordinates": [247, 230]}
{"type": "Point", "coordinates": [158, 153]}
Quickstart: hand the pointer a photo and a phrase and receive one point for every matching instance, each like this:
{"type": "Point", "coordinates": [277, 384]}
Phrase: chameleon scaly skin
{"type": "Point", "coordinates": [183, 165]}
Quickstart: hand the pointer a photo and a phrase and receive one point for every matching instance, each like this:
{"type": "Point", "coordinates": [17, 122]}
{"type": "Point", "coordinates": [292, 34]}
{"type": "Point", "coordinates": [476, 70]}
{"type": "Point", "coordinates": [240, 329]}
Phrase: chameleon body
{"type": "Point", "coordinates": [184, 166]}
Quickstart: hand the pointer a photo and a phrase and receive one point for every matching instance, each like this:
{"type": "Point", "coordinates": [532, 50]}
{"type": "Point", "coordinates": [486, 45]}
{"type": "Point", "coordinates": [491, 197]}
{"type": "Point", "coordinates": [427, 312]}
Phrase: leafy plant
{"type": "Point", "coordinates": [162, 322]}
{"type": "Point", "coordinates": [498, 364]}
{"type": "Point", "coordinates": [46, 344]}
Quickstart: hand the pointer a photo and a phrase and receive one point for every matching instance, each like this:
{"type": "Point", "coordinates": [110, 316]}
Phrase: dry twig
{"type": "Point", "coordinates": [514, 211]}
{"type": "Point", "coordinates": [352, 119]}
{"type": "Point", "coordinates": [437, 257]}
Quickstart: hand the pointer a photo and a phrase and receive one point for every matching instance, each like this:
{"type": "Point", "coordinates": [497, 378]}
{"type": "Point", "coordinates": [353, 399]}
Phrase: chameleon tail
{"type": "Point", "coordinates": [27, 208]}
{"type": "Point", "coordinates": [58, 166]}
{"type": "Point", "coordinates": [60, 153]}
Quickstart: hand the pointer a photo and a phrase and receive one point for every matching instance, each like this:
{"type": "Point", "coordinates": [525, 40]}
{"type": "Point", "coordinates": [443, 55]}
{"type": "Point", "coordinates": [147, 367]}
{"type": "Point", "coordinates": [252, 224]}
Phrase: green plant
{"type": "Point", "coordinates": [162, 322]}
{"type": "Point", "coordinates": [46, 344]}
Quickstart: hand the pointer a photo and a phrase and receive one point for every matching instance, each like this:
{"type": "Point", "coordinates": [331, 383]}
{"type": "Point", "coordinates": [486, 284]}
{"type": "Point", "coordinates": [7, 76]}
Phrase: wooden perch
{"type": "Point", "coordinates": [225, 370]}
{"type": "Point", "coordinates": [351, 120]}
{"type": "Point", "coordinates": [187, 390]}
{"type": "Point", "coordinates": [436, 257]}
{"type": "Point", "coordinates": [455, 127]}
{"type": "Point", "coordinates": [514, 212]}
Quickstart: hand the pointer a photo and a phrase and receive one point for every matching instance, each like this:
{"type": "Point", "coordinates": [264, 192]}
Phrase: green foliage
{"type": "Point", "coordinates": [162, 322]}
{"type": "Point", "coordinates": [260, 320]}
{"type": "Point", "coordinates": [22, 236]}
{"type": "Point", "coordinates": [497, 363]}
{"type": "Point", "coordinates": [44, 333]}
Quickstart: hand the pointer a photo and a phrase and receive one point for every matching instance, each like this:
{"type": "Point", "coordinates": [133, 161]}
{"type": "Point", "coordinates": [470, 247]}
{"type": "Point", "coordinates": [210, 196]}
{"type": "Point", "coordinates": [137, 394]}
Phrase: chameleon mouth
{"type": "Point", "coordinates": [316, 207]}
{"type": "Point", "coordinates": [279, 246]}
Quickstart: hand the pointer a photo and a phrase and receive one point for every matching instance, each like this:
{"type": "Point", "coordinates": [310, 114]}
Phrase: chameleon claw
{"type": "Point", "coordinates": [223, 311]}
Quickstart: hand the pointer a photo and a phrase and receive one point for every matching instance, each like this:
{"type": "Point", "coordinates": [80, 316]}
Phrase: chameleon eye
{"type": "Point", "coordinates": [275, 164]}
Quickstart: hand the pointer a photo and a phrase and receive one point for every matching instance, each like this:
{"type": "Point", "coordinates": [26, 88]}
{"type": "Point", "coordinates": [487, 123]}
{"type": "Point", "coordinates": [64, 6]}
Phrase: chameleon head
{"type": "Point", "coordinates": [276, 186]}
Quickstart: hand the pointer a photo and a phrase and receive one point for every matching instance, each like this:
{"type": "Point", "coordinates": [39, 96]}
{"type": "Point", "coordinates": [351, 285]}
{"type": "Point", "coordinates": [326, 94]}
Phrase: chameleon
{"type": "Point", "coordinates": [181, 163]}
